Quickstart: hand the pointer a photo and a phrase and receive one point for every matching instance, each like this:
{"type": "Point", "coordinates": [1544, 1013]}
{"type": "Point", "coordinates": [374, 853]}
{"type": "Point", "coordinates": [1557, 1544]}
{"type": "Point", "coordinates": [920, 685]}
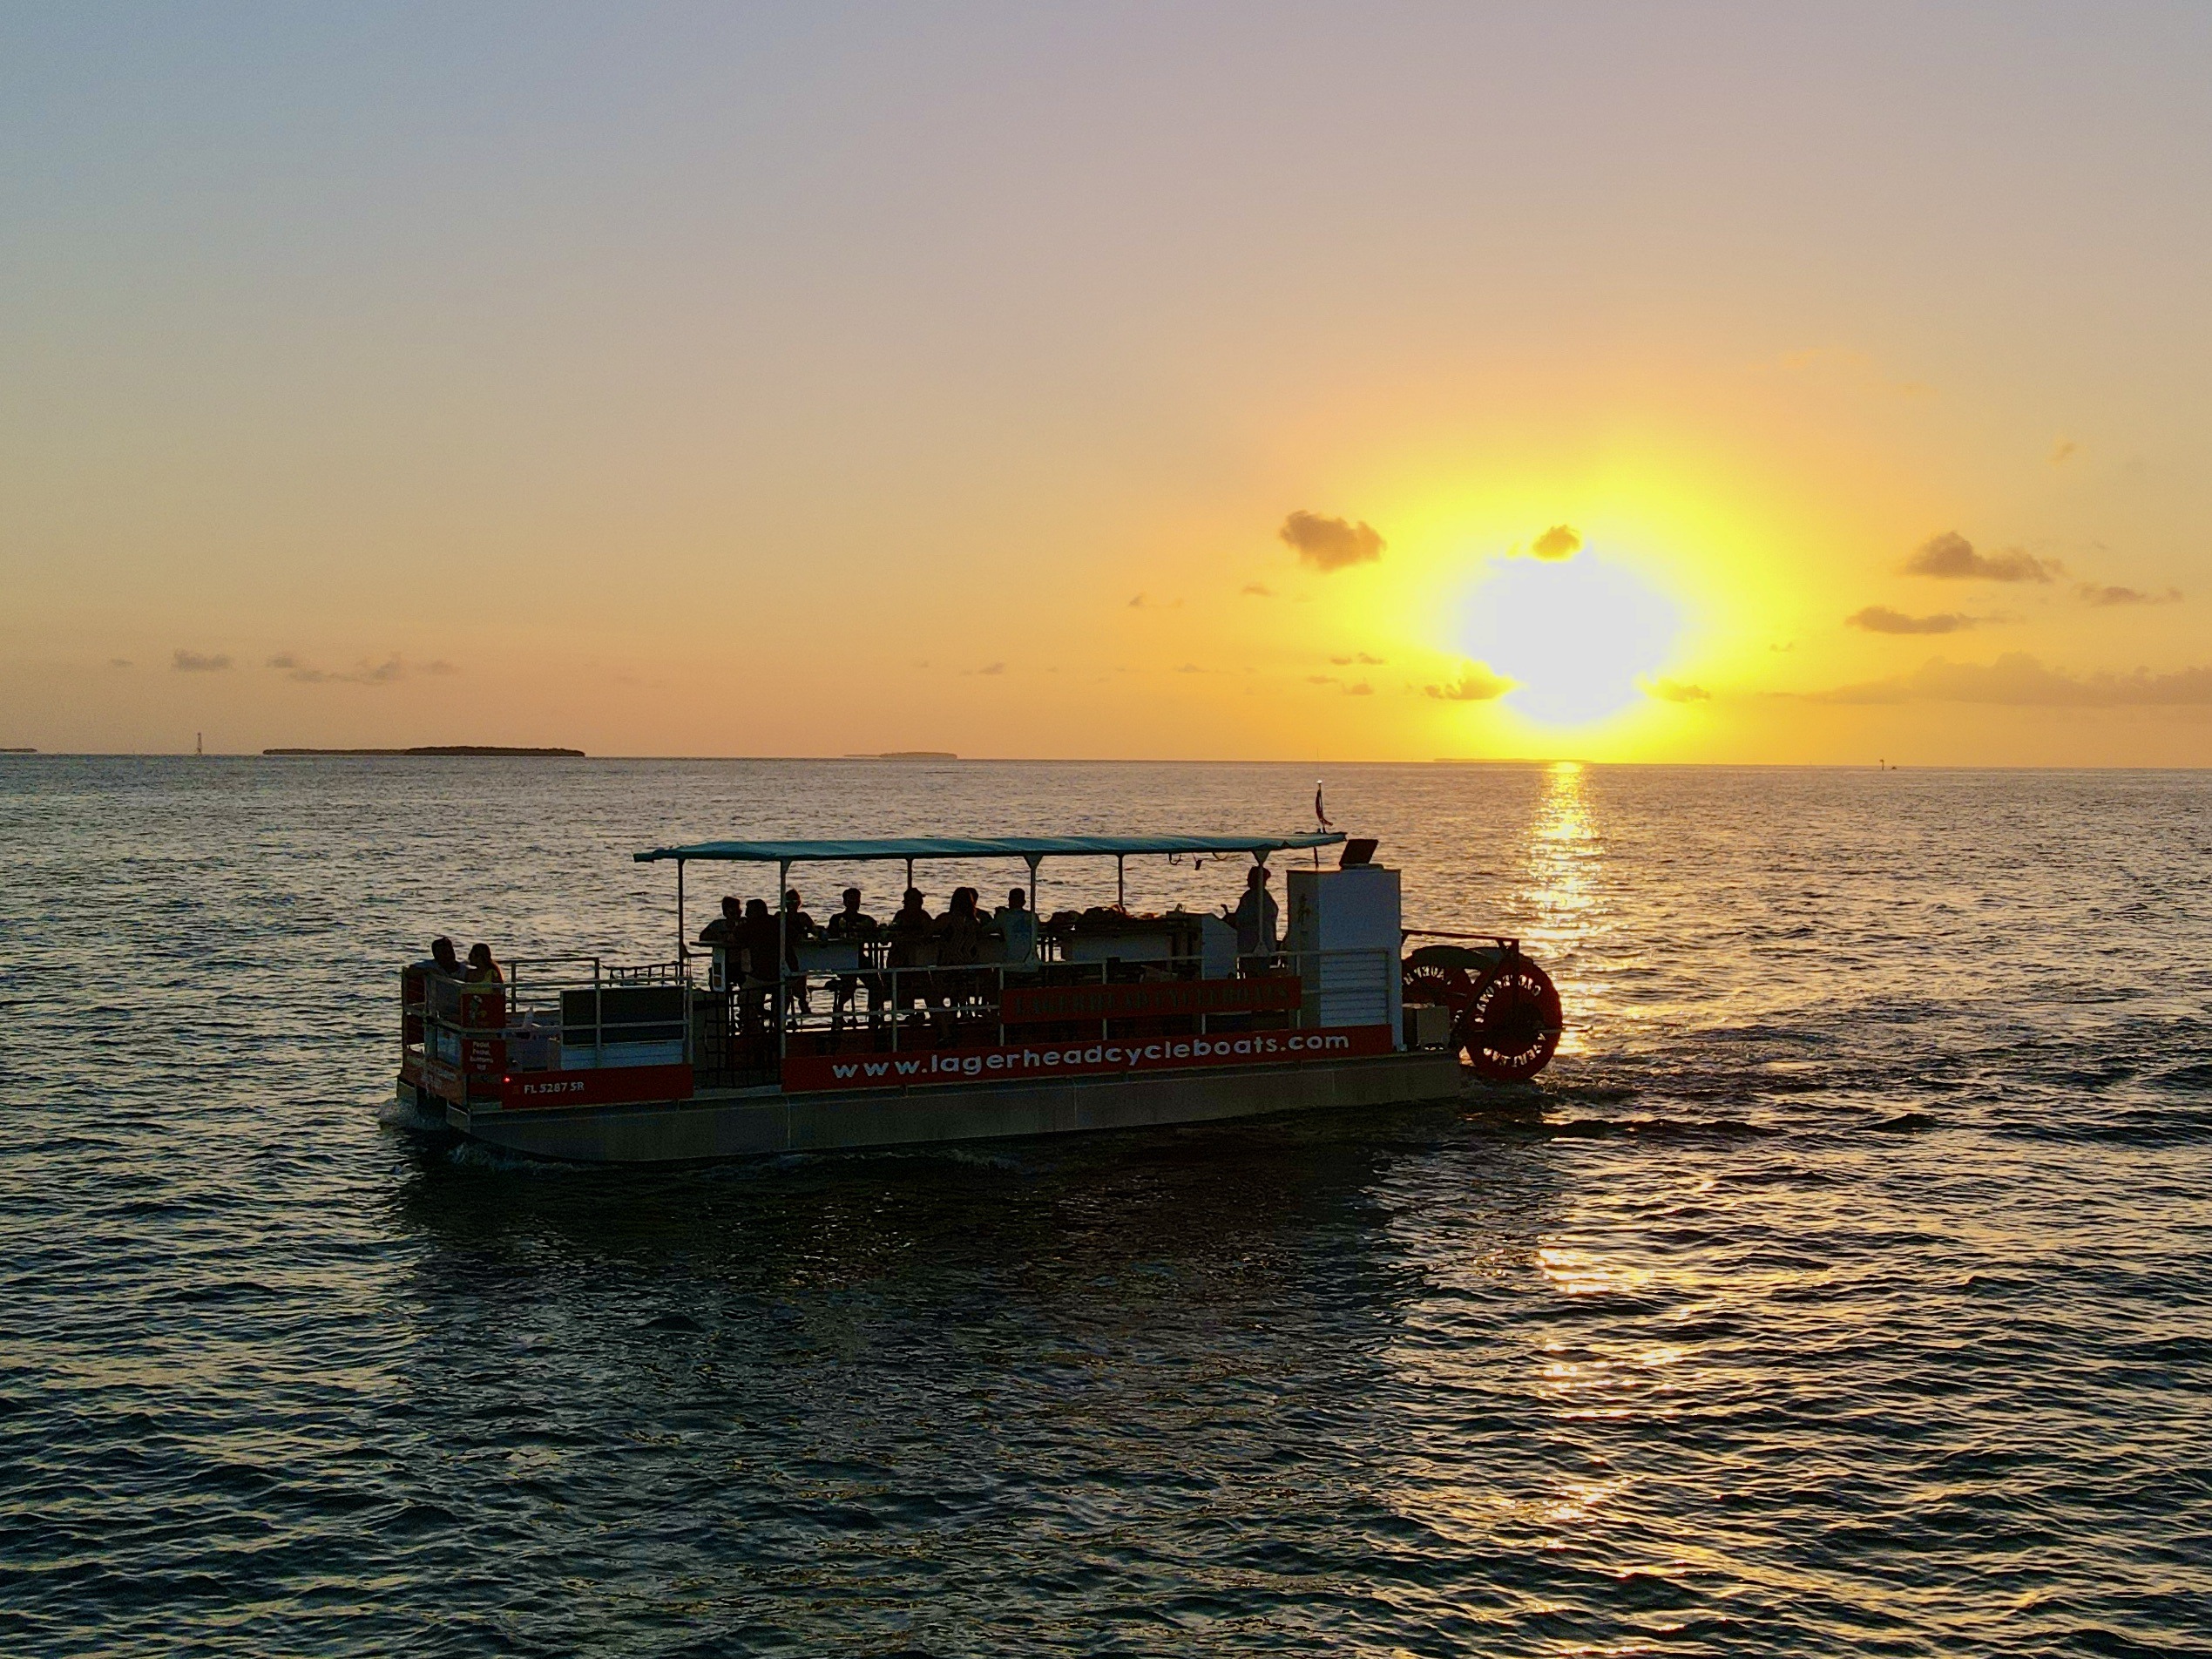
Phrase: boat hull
{"type": "Point", "coordinates": [770, 1121]}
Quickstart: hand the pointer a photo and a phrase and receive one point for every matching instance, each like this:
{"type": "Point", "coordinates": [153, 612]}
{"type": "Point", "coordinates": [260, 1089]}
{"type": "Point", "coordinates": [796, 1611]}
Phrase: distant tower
{"type": "Point", "coordinates": [198, 748]}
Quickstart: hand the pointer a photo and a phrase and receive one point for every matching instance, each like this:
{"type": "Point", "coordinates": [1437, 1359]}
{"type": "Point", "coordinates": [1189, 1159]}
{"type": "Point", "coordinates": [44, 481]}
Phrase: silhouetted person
{"type": "Point", "coordinates": [910, 929]}
{"type": "Point", "coordinates": [443, 958]}
{"type": "Point", "coordinates": [722, 933]}
{"type": "Point", "coordinates": [851, 922]}
{"type": "Point", "coordinates": [1019, 922]}
{"type": "Point", "coordinates": [1255, 916]}
{"type": "Point", "coordinates": [798, 927]}
{"type": "Point", "coordinates": [758, 939]}
{"type": "Point", "coordinates": [960, 933]}
{"type": "Point", "coordinates": [853, 925]}
{"type": "Point", "coordinates": [482, 968]}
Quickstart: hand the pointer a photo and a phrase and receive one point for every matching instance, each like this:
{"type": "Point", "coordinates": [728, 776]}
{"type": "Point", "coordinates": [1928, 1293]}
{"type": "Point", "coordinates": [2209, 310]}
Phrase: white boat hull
{"type": "Point", "coordinates": [768, 1121]}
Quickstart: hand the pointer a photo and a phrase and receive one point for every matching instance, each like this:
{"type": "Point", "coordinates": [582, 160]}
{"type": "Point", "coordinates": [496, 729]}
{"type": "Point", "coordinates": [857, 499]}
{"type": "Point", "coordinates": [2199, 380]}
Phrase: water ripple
{"type": "Point", "coordinates": [1843, 1289]}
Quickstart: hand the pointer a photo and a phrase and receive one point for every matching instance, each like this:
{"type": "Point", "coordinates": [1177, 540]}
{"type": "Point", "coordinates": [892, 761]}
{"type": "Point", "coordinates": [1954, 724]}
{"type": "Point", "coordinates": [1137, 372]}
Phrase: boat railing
{"type": "Point", "coordinates": [573, 1012]}
{"type": "Point", "coordinates": [861, 1002]}
{"type": "Point", "coordinates": [580, 1013]}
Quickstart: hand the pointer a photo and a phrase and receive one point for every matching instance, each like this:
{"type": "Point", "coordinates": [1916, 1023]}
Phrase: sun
{"type": "Point", "coordinates": [1576, 636]}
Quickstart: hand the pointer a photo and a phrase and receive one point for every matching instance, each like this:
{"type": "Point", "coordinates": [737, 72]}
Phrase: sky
{"type": "Point", "coordinates": [1797, 384]}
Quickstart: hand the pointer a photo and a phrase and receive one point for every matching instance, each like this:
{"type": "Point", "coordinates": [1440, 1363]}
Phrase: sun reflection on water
{"type": "Point", "coordinates": [1565, 858]}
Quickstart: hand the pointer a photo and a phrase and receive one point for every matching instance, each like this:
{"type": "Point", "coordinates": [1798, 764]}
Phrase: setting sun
{"type": "Point", "coordinates": [1579, 637]}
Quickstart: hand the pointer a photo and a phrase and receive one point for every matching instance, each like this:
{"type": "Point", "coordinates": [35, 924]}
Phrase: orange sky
{"type": "Point", "coordinates": [1119, 383]}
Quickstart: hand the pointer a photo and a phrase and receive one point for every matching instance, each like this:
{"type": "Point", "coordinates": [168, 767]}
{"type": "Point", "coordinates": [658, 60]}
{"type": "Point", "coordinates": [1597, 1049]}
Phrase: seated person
{"type": "Point", "coordinates": [1017, 923]}
{"type": "Point", "coordinates": [960, 933]}
{"type": "Point", "coordinates": [442, 960]}
{"type": "Point", "coordinates": [853, 925]}
{"type": "Point", "coordinates": [797, 923]}
{"type": "Point", "coordinates": [910, 929]}
{"type": "Point", "coordinates": [482, 968]}
{"type": "Point", "coordinates": [850, 922]}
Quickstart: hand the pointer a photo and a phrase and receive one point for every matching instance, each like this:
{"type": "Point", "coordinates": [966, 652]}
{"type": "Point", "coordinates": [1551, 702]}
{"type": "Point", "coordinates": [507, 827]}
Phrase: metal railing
{"type": "Point", "coordinates": [581, 1012]}
{"type": "Point", "coordinates": [552, 1014]}
{"type": "Point", "coordinates": [867, 1005]}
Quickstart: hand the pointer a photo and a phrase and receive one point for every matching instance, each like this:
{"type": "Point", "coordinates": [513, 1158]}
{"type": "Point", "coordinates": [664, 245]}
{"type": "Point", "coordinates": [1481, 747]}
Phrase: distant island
{"type": "Point", "coordinates": [908, 755]}
{"type": "Point", "coordinates": [18, 751]}
{"type": "Point", "coordinates": [444, 749]}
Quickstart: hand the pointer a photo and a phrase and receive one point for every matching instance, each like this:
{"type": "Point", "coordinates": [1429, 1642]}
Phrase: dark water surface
{"type": "Point", "coordinates": [1843, 1289]}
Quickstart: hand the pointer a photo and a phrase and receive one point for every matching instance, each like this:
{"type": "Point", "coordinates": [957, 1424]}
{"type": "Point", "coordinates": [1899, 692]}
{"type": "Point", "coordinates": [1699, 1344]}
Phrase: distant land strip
{"type": "Point", "coordinates": [443, 748]}
{"type": "Point", "coordinates": [18, 751]}
{"type": "Point", "coordinates": [908, 755]}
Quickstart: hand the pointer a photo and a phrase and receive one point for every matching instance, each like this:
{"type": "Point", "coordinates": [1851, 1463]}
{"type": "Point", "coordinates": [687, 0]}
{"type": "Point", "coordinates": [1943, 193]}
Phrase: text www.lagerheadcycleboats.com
{"type": "Point", "coordinates": [1066, 1059]}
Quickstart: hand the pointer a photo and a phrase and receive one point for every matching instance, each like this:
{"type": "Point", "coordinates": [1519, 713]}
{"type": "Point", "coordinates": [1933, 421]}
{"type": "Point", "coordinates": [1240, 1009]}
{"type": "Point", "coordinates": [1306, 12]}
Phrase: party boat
{"type": "Point", "coordinates": [1100, 1019]}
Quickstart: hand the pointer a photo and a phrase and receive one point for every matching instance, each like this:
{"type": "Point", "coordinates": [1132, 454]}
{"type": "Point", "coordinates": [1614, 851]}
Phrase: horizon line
{"type": "Point", "coordinates": [1077, 759]}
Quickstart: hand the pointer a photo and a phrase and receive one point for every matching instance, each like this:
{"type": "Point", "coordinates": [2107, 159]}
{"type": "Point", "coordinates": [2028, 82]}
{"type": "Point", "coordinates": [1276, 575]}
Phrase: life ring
{"type": "Point", "coordinates": [1511, 1023]}
{"type": "Point", "coordinates": [1506, 1012]}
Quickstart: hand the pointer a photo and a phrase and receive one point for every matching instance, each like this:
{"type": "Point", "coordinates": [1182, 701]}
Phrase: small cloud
{"type": "Point", "coordinates": [1677, 691]}
{"type": "Point", "coordinates": [2020, 681]}
{"type": "Point", "coordinates": [1258, 590]}
{"type": "Point", "coordinates": [192, 662]}
{"type": "Point", "coordinates": [1880, 619]}
{"type": "Point", "coordinates": [1145, 602]}
{"type": "Point", "coordinates": [119, 662]}
{"type": "Point", "coordinates": [1953, 557]}
{"type": "Point", "coordinates": [988, 668]}
{"type": "Point", "coordinates": [2062, 451]}
{"type": "Point", "coordinates": [1476, 684]}
{"type": "Point", "coordinates": [2091, 593]}
{"type": "Point", "coordinates": [1323, 679]}
{"type": "Point", "coordinates": [1363, 689]}
{"type": "Point", "coordinates": [1360, 658]}
{"type": "Point", "coordinates": [1190, 668]}
{"type": "Point", "coordinates": [1330, 544]}
{"type": "Point", "coordinates": [439, 666]}
{"type": "Point", "coordinates": [1560, 541]}
{"type": "Point", "coordinates": [391, 670]}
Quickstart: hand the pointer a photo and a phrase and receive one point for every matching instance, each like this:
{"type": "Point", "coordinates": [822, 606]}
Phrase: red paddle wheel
{"type": "Point", "coordinates": [1505, 1015]}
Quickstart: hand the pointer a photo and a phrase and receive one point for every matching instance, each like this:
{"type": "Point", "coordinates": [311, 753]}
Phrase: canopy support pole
{"type": "Point", "coordinates": [1120, 881]}
{"type": "Point", "coordinates": [782, 951]}
{"type": "Point", "coordinates": [682, 939]}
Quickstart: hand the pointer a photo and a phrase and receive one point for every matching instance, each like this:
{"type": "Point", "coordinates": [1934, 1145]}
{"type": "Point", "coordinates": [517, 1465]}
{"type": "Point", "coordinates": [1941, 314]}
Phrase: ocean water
{"type": "Point", "coordinates": [1845, 1286]}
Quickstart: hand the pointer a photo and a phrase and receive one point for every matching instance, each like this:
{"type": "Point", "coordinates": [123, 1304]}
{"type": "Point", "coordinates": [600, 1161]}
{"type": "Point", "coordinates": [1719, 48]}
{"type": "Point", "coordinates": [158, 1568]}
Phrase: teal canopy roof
{"type": "Point", "coordinates": [1024, 847]}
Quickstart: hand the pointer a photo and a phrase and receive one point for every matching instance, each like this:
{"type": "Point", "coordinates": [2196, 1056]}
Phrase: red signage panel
{"type": "Point", "coordinates": [1028, 1004]}
{"type": "Point", "coordinates": [1031, 1062]}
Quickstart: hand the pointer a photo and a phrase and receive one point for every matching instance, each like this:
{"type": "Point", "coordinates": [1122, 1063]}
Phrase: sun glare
{"type": "Point", "coordinates": [1576, 636]}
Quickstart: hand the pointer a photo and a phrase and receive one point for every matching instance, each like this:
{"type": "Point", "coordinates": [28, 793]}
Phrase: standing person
{"type": "Point", "coordinates": [1255, 916]}
{"type": "Point", "coordinates": [759, 940]}
{"type": "Point", "coordinates": [798, 928]}
{"type": "Point", "coordinates": [722, 933]}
